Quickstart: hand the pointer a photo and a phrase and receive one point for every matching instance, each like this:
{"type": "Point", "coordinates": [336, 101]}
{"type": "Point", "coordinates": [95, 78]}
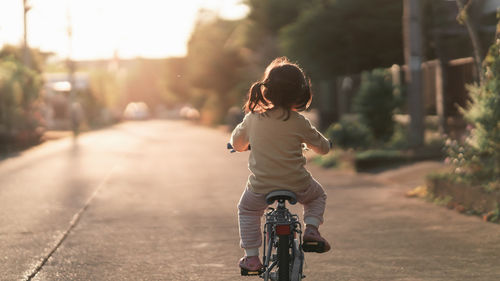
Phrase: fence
{"type": "Point", "coordinates": [443, 89]}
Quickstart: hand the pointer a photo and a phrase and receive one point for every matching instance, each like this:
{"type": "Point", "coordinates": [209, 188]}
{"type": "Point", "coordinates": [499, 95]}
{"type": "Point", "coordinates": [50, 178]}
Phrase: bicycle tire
{"type": "Point", "coordinates": [297, 260]}
{"type": "Point", "coordinates": [283, 258]}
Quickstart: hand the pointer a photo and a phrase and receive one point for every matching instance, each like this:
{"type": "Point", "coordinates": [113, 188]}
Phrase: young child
{"type": "Point", "coordinates": [276, 131]}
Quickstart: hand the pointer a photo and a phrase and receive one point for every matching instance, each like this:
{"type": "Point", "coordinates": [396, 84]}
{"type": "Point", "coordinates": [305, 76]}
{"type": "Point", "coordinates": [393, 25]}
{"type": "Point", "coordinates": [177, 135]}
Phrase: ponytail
{"type": "Point", "coordinates": [256, 101]}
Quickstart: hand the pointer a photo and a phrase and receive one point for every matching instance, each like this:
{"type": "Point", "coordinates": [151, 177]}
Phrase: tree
{"type": "Point", "coordinates": [272, 15]}
{"type": "Point", "coordinates": [478, 157]}
{"type": "Point", "coordinates": [106, 87]}
{"type": "Point", "coordinates": [267, 17]}
{"type": "Point", "coordinates": [176, 84]}
{"type": "Point", "coordinates": [144, 81]}
{"type": "Point", "coordinates": [345, 36]}
{"type": "Point", "coordinates": [37, 57]}
{"type": "Point", "coordinates": [375, 102]}
{"type": "Point", "coordinates": [19, 92]}
{"type": "Point", "coordinates": [483, 113]}
{"type": "Point", "coordinates": [214, 61]}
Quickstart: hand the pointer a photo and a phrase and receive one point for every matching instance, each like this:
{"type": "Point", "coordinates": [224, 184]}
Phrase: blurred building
{"type": "Point", "coordinates": [57, 97]}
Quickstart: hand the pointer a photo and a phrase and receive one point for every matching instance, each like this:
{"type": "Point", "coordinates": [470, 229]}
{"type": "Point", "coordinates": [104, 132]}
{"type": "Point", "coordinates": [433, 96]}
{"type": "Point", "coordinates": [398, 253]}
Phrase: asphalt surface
{"type": "Point", "coordinates": [156, 200]}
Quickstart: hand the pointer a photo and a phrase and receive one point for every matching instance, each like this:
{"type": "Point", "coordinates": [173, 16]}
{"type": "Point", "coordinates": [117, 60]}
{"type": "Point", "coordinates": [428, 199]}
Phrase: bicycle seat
{"type": "Point", "coordinates": [281, 194]}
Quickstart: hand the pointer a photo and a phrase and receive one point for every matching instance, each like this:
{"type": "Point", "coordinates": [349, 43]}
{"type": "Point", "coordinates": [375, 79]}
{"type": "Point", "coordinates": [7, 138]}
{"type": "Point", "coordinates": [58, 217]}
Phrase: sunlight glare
{"type": "Point", "coordinates": [132, 28]}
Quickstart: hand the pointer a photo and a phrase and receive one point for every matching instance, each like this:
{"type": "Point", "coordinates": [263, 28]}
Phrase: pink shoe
{"type": "Point", "coordinates": [313, 242]}
{"type": "Point", "coordinates": [250, 265]}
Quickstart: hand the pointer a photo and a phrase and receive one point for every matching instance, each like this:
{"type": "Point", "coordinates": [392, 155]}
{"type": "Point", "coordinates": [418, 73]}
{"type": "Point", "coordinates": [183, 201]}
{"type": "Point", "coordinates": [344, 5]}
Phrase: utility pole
{"type": "Point", "coordinates": [73, 115]}
{"type": "Point", "coordinates": [26, 54]}
{"type": "Point", "coordinates": [412, 35]}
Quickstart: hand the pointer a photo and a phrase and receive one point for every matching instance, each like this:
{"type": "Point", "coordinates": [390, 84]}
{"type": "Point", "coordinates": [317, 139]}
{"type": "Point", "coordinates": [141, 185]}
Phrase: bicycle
{"type": "Point", "coordinates": [283, 248]}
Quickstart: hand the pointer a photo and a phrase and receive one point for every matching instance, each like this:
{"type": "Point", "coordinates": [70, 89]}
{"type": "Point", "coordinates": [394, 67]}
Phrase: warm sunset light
{"type": "Point", "coordinates": [219, 139]}
{"type": "Point", "coordinates": [148, 28]}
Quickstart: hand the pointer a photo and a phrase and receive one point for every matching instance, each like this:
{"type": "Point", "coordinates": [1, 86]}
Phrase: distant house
{"type": "Point", "coordinates": [56, 97]}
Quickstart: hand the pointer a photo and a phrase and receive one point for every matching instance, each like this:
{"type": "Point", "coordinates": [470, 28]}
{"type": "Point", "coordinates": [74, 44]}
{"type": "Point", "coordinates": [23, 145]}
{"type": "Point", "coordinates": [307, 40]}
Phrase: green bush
{"type": "Point", "coordinates": [478, 156]}
{"type": "Point", "coordinates": [349, 133]}
{"type": "Point", "coordinates": [375, 158]}
{"type": "Point", "coordinates": [328, 161]}
{"type": "Point", "coordinates": [483, 113]}
{"type": "Point", "coordinates": [375, 102]}
{"type": "Point", "coordinates": [399, 139]}
{"type": "Point", "coordinates": [20, 118]}
{"type": "Point", "coordinates": [379, 153]}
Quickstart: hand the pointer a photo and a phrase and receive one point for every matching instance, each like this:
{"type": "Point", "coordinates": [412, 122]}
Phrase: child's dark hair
{"type": "Point", "coordinates": [284, 85]}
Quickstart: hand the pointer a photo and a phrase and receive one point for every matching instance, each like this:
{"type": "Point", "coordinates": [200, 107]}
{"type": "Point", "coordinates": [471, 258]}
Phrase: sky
{"type": "Point", "coordinates": [132, 28]}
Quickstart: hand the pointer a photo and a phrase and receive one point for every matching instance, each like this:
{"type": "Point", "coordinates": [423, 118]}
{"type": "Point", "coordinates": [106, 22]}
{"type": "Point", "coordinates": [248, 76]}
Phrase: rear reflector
{"type": "Point", "coordinates": [283, 229]}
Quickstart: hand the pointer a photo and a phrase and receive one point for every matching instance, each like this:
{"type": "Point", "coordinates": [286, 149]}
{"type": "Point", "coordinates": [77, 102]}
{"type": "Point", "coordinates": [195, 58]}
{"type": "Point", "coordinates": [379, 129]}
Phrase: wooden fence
{"type": "Point", "coordinates": [443, 89]}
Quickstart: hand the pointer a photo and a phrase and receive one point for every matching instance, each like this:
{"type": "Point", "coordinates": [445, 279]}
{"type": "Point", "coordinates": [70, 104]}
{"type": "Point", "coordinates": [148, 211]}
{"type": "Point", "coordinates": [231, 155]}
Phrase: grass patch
{"type": "Point", "coordinates": [338, 159]}
{"type": "Point", "coordinates": [445, 201]}
{"type": "Point", "coordinates": [328, 161]}
{"type": "Point", "coordinates": [372, 159]}
{"type": "Point", "coordinates": [464, 194]}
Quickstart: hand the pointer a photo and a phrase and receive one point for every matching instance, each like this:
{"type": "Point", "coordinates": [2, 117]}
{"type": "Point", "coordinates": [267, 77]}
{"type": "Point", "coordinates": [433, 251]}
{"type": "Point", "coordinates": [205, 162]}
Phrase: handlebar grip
{"type": "Point", "coordinates": [229, 146]}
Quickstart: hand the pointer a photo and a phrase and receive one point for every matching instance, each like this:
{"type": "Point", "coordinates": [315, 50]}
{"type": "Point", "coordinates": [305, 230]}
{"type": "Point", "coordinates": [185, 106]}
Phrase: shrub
{"type": "Point", "coordinates": [399, 139]}
{"type": "Point", "coordinates": [478, 156]}
{"type": "Point", "coordinates": [349, 133]}
{"type": "Point", "coordinates": [20, 118]}
{"type": "Point", "coordinates": [327, 161]}
{"type": "Point", "coordinates": [483, 113]}
{"type": "Point", "coordinates": [375, 102]}
{"type": "Point", "coordinates": [375, 158]}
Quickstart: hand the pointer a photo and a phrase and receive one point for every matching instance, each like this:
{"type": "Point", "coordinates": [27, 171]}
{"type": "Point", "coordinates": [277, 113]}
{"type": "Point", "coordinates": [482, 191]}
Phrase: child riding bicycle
{"type": "Point", "coordinates": [276, 132]}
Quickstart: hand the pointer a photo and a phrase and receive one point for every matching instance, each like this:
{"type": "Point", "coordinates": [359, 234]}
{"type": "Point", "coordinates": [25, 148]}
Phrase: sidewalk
{"type": "Point", "coordinates": [411, 175]}
{"type": "Point", "coordinates": [405, 177]}
{"type": "Point", "coordinates": [55, 135]}
{"type": "Point", "coordinates": [377, 233]}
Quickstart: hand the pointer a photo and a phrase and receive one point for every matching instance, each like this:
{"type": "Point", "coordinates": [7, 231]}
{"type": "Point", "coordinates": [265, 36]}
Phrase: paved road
{"type": "Point", "coordinates": [157, 200]}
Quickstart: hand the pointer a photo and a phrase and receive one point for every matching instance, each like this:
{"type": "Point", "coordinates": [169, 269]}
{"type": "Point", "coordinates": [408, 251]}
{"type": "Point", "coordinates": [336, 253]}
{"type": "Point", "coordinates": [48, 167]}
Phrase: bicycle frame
{"type": "Point", "coordinates": [282, 240]}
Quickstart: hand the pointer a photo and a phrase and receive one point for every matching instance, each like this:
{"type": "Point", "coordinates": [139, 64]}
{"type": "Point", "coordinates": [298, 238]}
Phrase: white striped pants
{"type": "Point", "coordinates": [252, 206]}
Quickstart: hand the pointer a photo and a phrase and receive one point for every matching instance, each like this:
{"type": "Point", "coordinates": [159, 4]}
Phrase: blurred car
{"type": "Point", "coordinates": [189, 113]}
{"type": "Point", "coordinates": [136, 111]}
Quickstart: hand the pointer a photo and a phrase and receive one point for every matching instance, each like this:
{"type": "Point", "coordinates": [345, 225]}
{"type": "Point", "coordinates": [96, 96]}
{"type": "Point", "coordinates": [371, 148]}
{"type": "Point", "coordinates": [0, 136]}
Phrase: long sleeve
{"type": "Point", "coordinates": [239, 136]}
{"type": "Point", "coordinates": [314, 139]}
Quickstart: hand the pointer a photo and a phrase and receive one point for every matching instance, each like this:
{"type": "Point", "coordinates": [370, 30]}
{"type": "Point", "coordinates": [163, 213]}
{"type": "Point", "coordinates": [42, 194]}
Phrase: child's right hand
{"type": "Point", "coordinates": [230, 146]}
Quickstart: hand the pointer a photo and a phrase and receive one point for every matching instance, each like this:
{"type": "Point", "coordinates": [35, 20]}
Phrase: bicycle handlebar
{"type": "Point", "coordinates": [229, 146]}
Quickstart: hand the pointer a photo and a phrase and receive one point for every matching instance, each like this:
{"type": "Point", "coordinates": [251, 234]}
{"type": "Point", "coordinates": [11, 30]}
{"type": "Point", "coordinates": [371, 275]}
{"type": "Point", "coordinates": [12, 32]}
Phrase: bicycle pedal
{"type": "Point", "coordinates": [313, 246]}
{"type": "Point", "coordinates": [246, 272]}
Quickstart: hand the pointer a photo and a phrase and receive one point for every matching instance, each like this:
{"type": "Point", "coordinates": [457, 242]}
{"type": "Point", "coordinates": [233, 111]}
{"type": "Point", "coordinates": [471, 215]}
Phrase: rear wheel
{"type": "Point", "coordinates": [284, 258]}
{"type": "Point", "coordinates": [297, 260]}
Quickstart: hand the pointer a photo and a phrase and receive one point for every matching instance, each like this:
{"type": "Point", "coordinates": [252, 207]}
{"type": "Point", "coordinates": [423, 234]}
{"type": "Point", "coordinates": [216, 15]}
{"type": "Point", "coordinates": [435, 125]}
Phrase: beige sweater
{"type": "Point", "coordinates": [276, 159]}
